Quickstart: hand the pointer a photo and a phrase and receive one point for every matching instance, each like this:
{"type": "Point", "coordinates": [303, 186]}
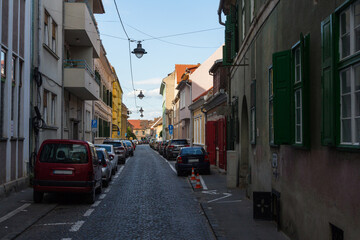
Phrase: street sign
{"type": "Point", "coordinates": [118, 133]}
{"type": "Point", "coordinates": [94, 123]}
{"type": "Point", "coordinates": [171, 127]}
{"type": "Point", "coordinates": [170, 131]}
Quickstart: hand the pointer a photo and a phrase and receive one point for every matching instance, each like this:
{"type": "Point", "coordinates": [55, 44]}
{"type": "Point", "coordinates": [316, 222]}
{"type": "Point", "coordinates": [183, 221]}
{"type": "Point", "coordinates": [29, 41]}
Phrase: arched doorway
{"type": "Point", "coordinates": [244, 146]}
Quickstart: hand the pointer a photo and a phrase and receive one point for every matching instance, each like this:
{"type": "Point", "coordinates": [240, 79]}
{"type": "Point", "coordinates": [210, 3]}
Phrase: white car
{"type": "Point", "coordinates": [113, 157]}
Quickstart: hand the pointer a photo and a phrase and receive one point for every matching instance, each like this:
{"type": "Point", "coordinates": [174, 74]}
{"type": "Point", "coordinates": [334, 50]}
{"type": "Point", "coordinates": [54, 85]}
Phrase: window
{"type": "Point", "coordinates": [53, 109]}
{"type": "Point", "coordinates": [45, 106]}
{"type": "Point", "coordinates": [182, 99]}
{"type": "Point", "coordinates": [2, 90]}
{"type": "Point", "coordinates": [46, 28]}
{"type": "Point", "coordinates": [253, 113]}
{"type": "Point", "coordinates": [341, 77]}
{"type": "Point", "coordinates": [21, 65]}
{"type": "Point", "coordinates": [289, 95]}
{"type": "Point", "coordinates": [271, 107]}
{"type": "Point", "coordinates": [53, 37]}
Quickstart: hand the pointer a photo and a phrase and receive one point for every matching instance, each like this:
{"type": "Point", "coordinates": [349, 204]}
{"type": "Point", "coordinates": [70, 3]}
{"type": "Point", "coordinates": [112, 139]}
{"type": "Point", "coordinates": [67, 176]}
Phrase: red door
{"type": "Point", "coordinates": [222, 143]}
{"type": "Point", "coordinates": [210, 140]}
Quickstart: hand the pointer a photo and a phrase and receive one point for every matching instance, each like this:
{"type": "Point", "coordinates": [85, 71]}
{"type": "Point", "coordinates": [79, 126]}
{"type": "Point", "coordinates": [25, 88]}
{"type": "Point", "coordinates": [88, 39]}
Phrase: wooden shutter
{"type": "Point", "coordinates": [305, 50]}
{"type": "Point", "coordinates": [283, 120]}
{"type": "Point", "coordinates": [327, 80]}
{"type": "Point", "coordinates": [231, 37]}
{"type": "Point", "coordinates": [111, 99]}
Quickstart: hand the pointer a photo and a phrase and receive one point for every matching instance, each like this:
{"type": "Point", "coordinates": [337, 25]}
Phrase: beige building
{"type": "Point", "coordinates": [167, 91]}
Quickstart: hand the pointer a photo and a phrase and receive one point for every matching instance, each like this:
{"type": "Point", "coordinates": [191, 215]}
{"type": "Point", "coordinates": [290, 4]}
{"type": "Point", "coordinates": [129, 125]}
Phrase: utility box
{"type": "Point", "coordinates": [232, 169]}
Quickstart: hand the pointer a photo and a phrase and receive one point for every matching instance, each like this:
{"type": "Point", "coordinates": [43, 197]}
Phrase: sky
{"type": "Point", "coordinates": [154, 23]}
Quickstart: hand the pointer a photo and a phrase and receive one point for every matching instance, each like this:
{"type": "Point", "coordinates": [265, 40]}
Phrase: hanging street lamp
{"type": "Point", "coordinates": [141, 110]}
{"type": "Point", "coordinates": [139, 51]}
{"type": "Point", "coordinates": [141, 95]}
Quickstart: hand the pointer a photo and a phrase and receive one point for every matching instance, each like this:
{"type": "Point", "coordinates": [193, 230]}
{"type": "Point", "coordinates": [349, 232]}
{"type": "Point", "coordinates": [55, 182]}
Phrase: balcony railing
{"type": "Point", "coordinates": [90, 11]}
{"type": "Point", "coordinates": [71, 63]}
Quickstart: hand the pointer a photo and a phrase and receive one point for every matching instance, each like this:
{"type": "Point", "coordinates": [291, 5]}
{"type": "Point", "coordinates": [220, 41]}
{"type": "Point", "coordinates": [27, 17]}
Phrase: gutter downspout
{"type": "Point", "coordinates": [62, 72]}
{"type": "Point", "coordinates": [221, 6]}
{"type": "Point", "coordinates": [191, 117]}
{"type": "Point", "coordinates": [205, 120]}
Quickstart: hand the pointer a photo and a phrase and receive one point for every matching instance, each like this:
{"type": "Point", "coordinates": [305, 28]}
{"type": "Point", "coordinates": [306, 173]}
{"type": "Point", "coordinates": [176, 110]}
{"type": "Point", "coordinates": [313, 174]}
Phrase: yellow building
{"type": "Point", "coordinates": [117, 130]}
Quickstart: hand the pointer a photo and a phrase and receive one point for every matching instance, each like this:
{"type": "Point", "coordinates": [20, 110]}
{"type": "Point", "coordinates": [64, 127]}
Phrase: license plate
{"type": "Point", "coordinates": [193, 160]}
{"type": "Point", "coordinates": [63, 172]}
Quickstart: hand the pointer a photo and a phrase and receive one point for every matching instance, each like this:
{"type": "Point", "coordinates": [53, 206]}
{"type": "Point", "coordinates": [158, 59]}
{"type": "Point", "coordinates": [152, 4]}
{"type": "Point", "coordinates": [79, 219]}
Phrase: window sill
{"type": "Point", "coordinates": [2, 139]}
{"type": "Point", "coordinates": [12, 139]}
{"type": "Point", "coordinates": [51, 51]}
{"type": "Point", "coordinates": [349, 148]}
{"type": "Point", "coordinates": [50, 128]}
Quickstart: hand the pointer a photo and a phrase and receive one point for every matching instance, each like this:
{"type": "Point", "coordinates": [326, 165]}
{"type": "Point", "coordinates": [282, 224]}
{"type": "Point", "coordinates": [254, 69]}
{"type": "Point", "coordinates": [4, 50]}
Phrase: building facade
{"type": "Point", "coordinates": [116, 107]}
{"type": "Point", "coordinates": [167, 92]}
{"type": "Point", "coordinates": [295, 140]}
{"type": "Point", "coordinates": [14, 93]}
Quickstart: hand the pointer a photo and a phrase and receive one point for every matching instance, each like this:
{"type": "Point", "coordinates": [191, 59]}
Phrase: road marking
{"type": "Point", "coordinates": [203, 183]}
{"type": "Point", "coordinates": [102, 196]}
{"type": "Point", "coordinates": [217, 199]}
{"type": "Point", "coordinates": [171, 166]}
{"type": "Point", "coordinates": [76, 226]}
{"type": "Point", "coordinates": [88, 212]}
{"type": "Point", "coordinates": [96, 204]}
{"type": "Point", "coordinates": [211, 192]}
{"type": "Point", "coordinates": [234, 201]}
{"type": "Point", "coordinates": [107, 190]}
{"type": "Point", "coordinates": [10, 214]}
{"type": "Point", "coordinates": [66, 239]}
{"type": "Point", "coordinates": [54, 224]}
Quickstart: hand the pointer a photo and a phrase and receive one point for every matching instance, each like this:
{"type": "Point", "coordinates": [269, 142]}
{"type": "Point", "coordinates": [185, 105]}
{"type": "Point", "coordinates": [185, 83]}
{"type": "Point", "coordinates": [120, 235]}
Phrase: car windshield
{"type": "Point", "coordinates": [192, 151]}
{"type": "Point", "coordinates": [179, 142]}
{"type": "Point", "coordinates": [64, 153]}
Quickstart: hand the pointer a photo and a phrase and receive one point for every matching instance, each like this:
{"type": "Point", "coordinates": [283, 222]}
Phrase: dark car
{"type": "Point", "coordinates": [174, 146]}
{"type": "Point", "coordinates": [163, 146]}
{"type": "Point", "coordinates": [129, 146]}
{"type": "Point", "coordinates": [192, 157]}
{"type": "Point", "coordinates": [70, 166]}
{"type": "Point", "coordinates": [120, 149]}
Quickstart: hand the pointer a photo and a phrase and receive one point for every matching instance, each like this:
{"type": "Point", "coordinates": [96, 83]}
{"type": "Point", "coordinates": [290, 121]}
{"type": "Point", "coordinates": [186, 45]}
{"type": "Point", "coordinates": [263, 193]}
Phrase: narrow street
{"type": "Point", "coordinates": [145, 200]}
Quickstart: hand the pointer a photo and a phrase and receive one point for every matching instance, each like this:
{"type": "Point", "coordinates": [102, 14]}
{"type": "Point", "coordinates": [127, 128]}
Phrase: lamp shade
{"type": "Point", "coordinates": [139, 51]}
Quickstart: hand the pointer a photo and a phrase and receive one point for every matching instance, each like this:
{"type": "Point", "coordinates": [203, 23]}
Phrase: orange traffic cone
{"type": "Point", "coordinates": [198, 184]}
{"type": "Point", "coordinates": [193, 178]}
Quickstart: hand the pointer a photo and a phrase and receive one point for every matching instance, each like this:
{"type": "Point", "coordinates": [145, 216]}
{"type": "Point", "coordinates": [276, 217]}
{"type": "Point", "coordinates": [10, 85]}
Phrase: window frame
{"type": "Point", "coordinates": [46, 27]}
{"type": "Point", "coordinates": [253, 129]}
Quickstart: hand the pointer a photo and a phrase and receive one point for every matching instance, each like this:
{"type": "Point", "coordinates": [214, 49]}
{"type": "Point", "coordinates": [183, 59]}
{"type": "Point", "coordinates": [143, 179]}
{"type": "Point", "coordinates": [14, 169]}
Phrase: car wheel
{"type": "Point", "coordinates": [38, 196]}
{"type": "Point", "coordinates": [106, 183]}
{"type": "Point", "coordinates": [90, 198]}
{"type": "Point", "coordinates": [110, 178]}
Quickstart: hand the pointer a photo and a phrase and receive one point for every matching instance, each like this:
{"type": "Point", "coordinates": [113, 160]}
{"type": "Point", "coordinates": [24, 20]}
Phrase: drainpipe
{"type": "Point", "coordinates": [191, 117]}
{"type": "Point", "coordinates": [221, 5]}
{"type": "Point", "coordinates": [62, 72]}
{"type": "Point", "coordinates": [205, 120]}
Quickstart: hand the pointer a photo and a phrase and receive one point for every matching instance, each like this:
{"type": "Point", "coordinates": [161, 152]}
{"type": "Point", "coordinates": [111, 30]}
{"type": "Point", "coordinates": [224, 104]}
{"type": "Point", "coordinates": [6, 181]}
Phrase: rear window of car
{"type": "Point", "coordinates": [115, 144]}
{"type": "Point", "coordinates": [100, 154]}
{"type": "Point", "coordinates": [192, 151]}
{"type": "Point", "coordinates": [64, 153]}
{"type": "Point", "coordinates": [179, 142]}
{"type": "Point", "coordinates": [108, 148]}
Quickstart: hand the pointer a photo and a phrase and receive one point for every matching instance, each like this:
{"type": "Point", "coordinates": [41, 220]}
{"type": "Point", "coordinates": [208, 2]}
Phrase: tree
{"type": "Point", "coordinates": [130, 134]}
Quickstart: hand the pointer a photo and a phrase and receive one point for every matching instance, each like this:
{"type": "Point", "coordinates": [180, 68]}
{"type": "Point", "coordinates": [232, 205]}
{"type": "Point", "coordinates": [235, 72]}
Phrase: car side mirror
{"type": "Point", "coordinates": [111, 157]}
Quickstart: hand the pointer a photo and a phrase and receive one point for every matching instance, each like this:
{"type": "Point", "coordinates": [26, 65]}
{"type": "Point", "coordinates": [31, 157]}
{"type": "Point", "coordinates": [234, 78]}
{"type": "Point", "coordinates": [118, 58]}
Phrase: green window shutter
{"type": "Point", "coordinates": [283, 118]}
{"type": "Point", "coordinates": [327, 80]}
{"type": "Point", "coordinates": [305, 53]}
{"type": "Point", "coordinates": [231, 46]}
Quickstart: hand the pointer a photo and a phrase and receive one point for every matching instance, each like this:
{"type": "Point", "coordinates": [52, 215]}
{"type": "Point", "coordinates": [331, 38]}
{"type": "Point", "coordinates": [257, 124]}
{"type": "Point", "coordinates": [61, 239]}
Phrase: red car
{"type": "Point", "coordinates": [67, 166]}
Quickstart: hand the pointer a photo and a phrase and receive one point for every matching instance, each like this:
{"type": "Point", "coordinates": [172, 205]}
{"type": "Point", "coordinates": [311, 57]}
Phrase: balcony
{"type": "Point", "coordinates": [81, 27]}
{"type": "Point", "coordinates": [80, 80]}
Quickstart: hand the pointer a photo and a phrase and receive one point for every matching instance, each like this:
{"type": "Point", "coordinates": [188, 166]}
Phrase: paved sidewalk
{"type": "Point", "coordinates": [230, 213]}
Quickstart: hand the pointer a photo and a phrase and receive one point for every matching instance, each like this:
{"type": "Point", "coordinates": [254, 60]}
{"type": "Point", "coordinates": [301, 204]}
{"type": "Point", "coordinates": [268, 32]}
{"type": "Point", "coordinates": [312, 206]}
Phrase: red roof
{"type": "Point", "coordinates": [180, 69]}
{"type": "Point", "coordinates": [135, 123]}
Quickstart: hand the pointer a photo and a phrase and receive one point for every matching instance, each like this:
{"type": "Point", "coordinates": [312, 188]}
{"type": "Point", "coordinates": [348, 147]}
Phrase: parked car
{"type": "Point", "coordinates": [163, 146]}
{"type": "Point", "coordinates": [67, 166]}
{"type": "Point", "coordinates": [192, 157]}
{"type": "Point", "coordinates": [134, 144]}
{"type": "Point", "coordinates": [174, 146]}
{"type": "Point", "coordinates": [120, 149]}
{"type": "Point", "coordinates": [113, 157]}
{"type": "Point", "coordinates": [130, 147]}
{"type": "Point", "coordinates": [106, 168]}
